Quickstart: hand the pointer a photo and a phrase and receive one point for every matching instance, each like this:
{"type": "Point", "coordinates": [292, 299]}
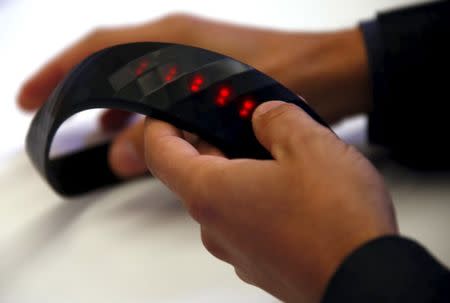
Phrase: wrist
{"type": "Point", "coordinates": [332, 73]}
{"type": "Point", "coordinates": [354, 50]}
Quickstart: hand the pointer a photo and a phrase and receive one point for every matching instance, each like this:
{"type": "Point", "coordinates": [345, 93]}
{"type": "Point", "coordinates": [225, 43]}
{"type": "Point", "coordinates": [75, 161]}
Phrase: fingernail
{"type": "Point", "coordinates": [265, 107]}
{"type": "Point", "coordinates": [125, 159]}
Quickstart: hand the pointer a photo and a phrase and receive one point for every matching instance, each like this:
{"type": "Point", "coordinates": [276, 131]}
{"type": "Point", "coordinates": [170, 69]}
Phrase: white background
{"type": "Point", "coordinates": [135, 243]}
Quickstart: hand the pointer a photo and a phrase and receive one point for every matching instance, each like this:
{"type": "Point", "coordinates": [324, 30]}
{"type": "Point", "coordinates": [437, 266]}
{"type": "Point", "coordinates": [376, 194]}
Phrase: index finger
{"type": "Point", "coordinates": [37, 89]}
{"type": "Point", "coordinates": [175, 161]}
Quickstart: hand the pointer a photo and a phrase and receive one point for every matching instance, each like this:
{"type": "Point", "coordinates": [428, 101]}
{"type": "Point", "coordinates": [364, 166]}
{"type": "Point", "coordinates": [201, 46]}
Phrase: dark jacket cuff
{"type": "Point", "coordinates": [409, 56]}
{"type": "Point", "coordinates": [389, 269]}
{"type": "Point", "coordinates": [374, 47]}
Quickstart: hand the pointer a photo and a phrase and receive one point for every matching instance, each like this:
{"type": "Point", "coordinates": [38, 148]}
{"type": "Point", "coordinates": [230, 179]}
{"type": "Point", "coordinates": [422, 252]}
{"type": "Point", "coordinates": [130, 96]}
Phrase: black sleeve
{"type": "Point", "coordinates": [409, 60]}
{"type": "Point", "coordinates": [389, 269]}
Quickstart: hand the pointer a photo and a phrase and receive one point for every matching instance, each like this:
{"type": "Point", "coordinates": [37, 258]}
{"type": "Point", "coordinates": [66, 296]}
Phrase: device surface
{"type": "Point", "coordinates": [194, 89]}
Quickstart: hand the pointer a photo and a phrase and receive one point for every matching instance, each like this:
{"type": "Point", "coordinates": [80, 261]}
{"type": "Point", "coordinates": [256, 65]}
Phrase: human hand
{"type": "Point", "coordinates": [329, 69]}
{"type": "Point", "coordinates": [284, 224]}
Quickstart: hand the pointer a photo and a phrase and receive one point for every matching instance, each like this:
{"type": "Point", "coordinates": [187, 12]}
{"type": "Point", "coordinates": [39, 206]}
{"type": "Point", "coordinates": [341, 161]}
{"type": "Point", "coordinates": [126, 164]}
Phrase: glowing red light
{"type": "Point", "coordinates": [248, 104]}
{"type": "Point", "coordinates": [196, 82]}
{"type": "Point", "coordinates": [247, 108]}
{"type": "Point", "coordinates": [220, 101]}
{"type": "Point", "coordinates": [243, 113]}
{"type": "Point", "coordinates": [141, 67]}
{"type": "Point", "coordinates": [171, 73]}
{"type": "Point", "coordinates": [224, 92]}
{"type": "Point", "coordinates": [223, 96]}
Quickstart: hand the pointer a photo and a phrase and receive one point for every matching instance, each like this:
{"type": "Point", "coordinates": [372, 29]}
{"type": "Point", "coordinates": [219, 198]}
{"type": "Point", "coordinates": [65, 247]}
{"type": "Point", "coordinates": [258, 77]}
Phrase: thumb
{"type": "Point", "coordinates": [282, 128]}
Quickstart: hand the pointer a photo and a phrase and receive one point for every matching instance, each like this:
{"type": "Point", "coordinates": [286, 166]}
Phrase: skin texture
{"type": "Point", "coordinates": [284, 224]}
{"type": "Point", "coordinates": [328, 69]}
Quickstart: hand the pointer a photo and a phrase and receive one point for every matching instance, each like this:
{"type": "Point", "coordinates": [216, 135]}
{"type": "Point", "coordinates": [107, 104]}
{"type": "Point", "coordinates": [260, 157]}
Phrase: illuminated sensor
{"type": "Point", "coordinates": [223, 97]}
{"type": "Point", "coordinates": [141, 67]}
{"type": "Point", "coordinates": [247, 108]}
{"type": "Point", "coordinates": [196, 83]}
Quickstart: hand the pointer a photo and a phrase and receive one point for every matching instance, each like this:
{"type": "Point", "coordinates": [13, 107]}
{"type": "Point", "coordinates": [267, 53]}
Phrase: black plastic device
{"type": "Point", "coordinates": [194, 89]}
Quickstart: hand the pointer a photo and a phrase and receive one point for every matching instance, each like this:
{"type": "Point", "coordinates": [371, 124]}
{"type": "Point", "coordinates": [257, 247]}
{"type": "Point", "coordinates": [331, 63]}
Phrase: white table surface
{"type": "Point", "coordinates": [135, 243]}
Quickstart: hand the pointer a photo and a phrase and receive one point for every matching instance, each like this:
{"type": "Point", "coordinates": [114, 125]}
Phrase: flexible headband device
{"type": "Point", "coordinates": [194, 89]}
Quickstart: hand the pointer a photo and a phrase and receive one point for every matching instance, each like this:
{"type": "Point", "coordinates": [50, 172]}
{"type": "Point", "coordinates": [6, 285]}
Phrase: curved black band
{"type": "Point", "coordinates": [175, 83]}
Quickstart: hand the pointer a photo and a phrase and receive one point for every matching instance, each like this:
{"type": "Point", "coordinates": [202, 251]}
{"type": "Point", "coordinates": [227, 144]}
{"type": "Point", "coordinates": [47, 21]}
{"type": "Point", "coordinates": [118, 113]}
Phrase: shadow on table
{"type": "Point", "coordinates": [144, 205]}
{"type": "Point", "coordinates": [148, 198]}
{"type": "Point", "coordinates": [38, 235]}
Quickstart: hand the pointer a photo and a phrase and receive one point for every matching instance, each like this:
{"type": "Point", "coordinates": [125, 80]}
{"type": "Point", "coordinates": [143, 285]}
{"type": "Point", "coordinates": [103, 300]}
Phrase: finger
{"type": "Point", "coordinates": [282, 128]}
{"type": "Point", "coordinates": [169, 156]}
{"type": "Point", "coordinates": [37, 89]}
{"type": "Point", "coordinates": [114, 119]}
{"type": "Point", "coordinates": [126, 155]}
{"type": "Point", "coordinates": [196, 178]}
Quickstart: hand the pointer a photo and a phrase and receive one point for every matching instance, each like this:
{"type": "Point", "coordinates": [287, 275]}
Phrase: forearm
{"type": "Point", "coordinates": [330, 70]}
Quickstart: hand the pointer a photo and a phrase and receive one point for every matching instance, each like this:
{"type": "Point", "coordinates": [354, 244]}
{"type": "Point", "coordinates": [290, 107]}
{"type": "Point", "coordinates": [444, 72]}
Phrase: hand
{"type": "Point", "coordinates": [329, 69]}
{"type": "Point", "coordinates": [284, 224]}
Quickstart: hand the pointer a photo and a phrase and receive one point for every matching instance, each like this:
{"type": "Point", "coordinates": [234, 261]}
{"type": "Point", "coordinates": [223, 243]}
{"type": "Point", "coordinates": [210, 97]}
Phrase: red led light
{"type": "Point", "coordinates": [171, 73]}
{"type": "Point", "coordinates": [247, 108]}
{"type": "Point", "coordinates": [248, 104]}
{"type": "Point", "coordinates": [223, 96]}
{"type": "Point", "coordinates": [243, 113]}
{"type": "Point", "coordinates": [141, 67]}
{"type": "Point", "coordinates": [196, 82]}
{"type": "Point", "coordinates": [224, 92]}
{"type": "Point", "coordinates": [220, 101]}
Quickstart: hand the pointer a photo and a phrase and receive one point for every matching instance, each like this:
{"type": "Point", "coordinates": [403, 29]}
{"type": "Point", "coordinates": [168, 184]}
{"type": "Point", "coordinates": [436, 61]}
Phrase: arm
{"type": "Point", "coordinates": [409, 60]}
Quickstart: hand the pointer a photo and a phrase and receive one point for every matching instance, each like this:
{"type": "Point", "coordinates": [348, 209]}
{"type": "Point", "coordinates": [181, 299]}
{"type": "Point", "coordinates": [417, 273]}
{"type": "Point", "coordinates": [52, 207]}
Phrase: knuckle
{"type": "Point", "coordinates": [198, 209]}
{"type": "Point", "coordinates": [276, 115]}
{"type": "Point", "coordinates": [177, 21]}
{"type": "Point", "coordinates": [97, 33]}
{"type": "Point", "coordinates": [198, 203]}
{"type": "Point", "coordinates": [243, 276]}
{"type": "Point", "coordinates": [200, 196]}
{"type": "Point", "coordinates": [179, 27]}
{"type": "Point", "coordinates": [98, 38]}
{"type": "Point", "coordinates": [350, 151]}
{"type": "Point", "coordinates": [213, 247]}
